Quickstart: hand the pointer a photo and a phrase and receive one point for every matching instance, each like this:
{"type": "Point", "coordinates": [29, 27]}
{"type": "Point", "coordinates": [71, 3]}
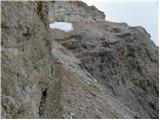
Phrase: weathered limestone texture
{"type": "Point", "coordinates": [101, 69]}
{"type": "Point", "coordinates": [121, 58]}
{"type": "Point", "coordinates": [26, 59]}
{"type": "Point", "coordinates": [74, 11]}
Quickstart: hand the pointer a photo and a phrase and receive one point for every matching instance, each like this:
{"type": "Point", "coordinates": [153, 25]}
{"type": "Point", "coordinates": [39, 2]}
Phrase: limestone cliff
{"type": "Point", "coordinates": [100, 69]}
{"type": "Point", "coordinates": [26, 59]}
{"type": "Point", "coordinates": [121, 58]}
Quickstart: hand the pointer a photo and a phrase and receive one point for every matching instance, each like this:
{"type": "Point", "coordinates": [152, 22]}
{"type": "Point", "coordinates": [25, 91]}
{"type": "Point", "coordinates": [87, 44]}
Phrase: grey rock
{"type": "Point", "coordinates": [121, 58]}
{"type": "Point", "coordinates": [74, 11]}
{"type": "Point", "coordinates": [26, 60]}
{"type": "Point", "coordinates": [101, 69]}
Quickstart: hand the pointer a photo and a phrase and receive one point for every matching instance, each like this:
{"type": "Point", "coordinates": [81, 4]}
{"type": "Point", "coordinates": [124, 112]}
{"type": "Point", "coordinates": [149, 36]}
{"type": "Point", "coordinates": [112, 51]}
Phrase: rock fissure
{"type": "Point", "coordinates": [42, 103]}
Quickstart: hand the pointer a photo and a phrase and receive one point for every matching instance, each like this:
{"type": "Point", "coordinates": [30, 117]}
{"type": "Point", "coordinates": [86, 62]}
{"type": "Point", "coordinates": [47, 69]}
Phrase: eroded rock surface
{"type": "Point", "coordinates": [74, 11]}
{"type": "Point", "coordinates": [26, 59]}
{"type": "Point", "coordinates": [121, 58]}
{"type": "Point", "coordinates": [100, 69]}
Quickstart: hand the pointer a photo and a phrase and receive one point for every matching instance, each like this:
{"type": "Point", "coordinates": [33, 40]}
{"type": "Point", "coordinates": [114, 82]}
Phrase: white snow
{"type": "Point", "coordinates": [65, 26]}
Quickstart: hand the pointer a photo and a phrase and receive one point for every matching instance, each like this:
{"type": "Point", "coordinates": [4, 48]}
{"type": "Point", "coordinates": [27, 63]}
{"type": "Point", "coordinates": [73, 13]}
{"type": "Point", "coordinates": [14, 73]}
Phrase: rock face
{"type": "Point", "coordinates": [100, 69]}
{"type": "Point", "coordinates": [74, 11]}
{"type": "Point", "coordinates": [121, 58]}
{"type": "Point", "coordinates": [77, 94]}
{"type": "Point", "coordinates": [26, 59]}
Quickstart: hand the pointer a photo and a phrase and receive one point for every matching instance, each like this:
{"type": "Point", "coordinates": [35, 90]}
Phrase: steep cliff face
{"type": "Point", "coordinates": [26, 59]}
{"type": "Point", "coordinates": [100, 69]}
{"type": "Point", "coordinates": [77, 94]}
{"type": "Point", "coordinates": [42, 79]}
{"type": "Point", "coordinates": [121, 58]}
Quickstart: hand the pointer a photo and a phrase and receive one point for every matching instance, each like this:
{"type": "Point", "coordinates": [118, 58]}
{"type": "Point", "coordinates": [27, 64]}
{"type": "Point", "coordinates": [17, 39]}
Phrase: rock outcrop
{"type": "Point", "coordinates": [100, 69]}
{"type": "Point", "coordinates": [74, 11]}
{"type": "Point", "coordinates": [121, 58]}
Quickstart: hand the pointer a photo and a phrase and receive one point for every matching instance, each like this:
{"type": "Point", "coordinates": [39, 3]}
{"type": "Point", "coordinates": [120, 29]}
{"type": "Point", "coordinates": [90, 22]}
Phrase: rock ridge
{"type": "Point", "coordinates": [74, 11]}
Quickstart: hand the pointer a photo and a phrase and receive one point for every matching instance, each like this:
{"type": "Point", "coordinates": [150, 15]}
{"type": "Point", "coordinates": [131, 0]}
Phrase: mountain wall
{"type": "Point", "coordinates": [101, 69]}
{"type": "Point", "coordinates": [124, 62]}
{"type": "Point", "coordinates": [121, 58]}
{"type": "Point", "coordinates": [26, 68]}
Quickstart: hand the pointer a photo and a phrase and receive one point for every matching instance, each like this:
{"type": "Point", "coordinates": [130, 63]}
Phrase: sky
{"type": "Point", "coordinates": [65, 26]}
{"type": "Point", "coordinates": [134, 12]}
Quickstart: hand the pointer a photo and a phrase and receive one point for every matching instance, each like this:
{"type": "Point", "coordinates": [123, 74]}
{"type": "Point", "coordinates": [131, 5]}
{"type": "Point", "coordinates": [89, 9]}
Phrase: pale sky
{"type": "Point", "coordinates": [133, 12]}
{"type": "Point", "coordinates": [65, 26]}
